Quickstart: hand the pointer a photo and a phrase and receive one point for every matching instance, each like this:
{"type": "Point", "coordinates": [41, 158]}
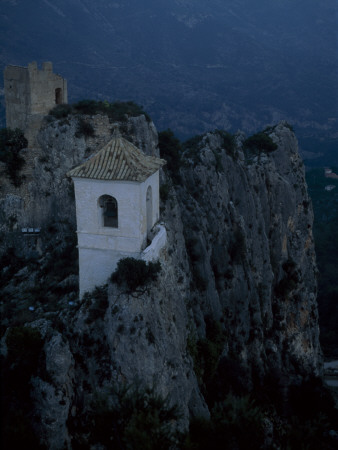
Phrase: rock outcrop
{"type": "Point", "coordinates": [237, 284]}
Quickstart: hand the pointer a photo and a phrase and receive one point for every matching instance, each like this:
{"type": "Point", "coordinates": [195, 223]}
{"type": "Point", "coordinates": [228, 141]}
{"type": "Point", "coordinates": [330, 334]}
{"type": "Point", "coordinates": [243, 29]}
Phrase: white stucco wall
{"type": "Point", "coordinates": [152, 252]}
{"type": "Point", "coordinates": [100, 248]}
{"type": "Point", "coordinates": [96, 266]}
{"type": "Point", "coordinates": [89, 213]}
{"type": "Point", "coordinates": [154, 182]}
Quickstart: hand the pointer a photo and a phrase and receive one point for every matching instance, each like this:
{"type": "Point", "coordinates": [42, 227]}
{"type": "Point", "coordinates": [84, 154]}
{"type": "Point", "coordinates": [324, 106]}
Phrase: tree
{"type": "Point", "coordinates": [11, 143]}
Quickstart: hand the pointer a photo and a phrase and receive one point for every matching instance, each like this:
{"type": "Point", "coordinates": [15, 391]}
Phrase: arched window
{"type": "Point", "coordinates": [109, 211]}
{"type": "Point", "coordinates": [58, 96]}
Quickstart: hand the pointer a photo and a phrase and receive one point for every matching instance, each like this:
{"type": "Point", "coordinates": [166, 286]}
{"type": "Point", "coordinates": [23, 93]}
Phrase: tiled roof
{"type": "Point", "coordinates": [118, 160]}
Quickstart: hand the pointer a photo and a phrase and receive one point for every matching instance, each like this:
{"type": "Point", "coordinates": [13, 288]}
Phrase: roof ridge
{"type": "Point", "coordinates": [119, 159]}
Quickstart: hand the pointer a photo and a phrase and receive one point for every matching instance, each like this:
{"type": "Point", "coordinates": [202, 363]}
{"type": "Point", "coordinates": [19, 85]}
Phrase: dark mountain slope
{"type": "Point", "coordinates": [193, 65]}
{"type": "Point", "coordinates": [233, 309]}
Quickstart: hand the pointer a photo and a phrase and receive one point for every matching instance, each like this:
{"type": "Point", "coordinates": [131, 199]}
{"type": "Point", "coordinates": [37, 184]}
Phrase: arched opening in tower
{"type": "Point", "coordinates": [109, 211]}
{"type": "Point", "coordinates": [58, 96]}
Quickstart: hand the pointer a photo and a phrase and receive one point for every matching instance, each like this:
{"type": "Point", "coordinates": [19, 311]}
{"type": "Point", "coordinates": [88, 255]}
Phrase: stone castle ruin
{"type": "Point", "coordinates": [30, 94]}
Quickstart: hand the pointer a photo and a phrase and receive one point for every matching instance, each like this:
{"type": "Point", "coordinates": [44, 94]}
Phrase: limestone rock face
{"type": "Point", "coordinates": [238, 276]}
{"type": "Point", "coordinates": [248, 229]}
{"type": "Point", "coordinates": [54, 398]}
{"type": "Point", "coordinates": [46, 197]}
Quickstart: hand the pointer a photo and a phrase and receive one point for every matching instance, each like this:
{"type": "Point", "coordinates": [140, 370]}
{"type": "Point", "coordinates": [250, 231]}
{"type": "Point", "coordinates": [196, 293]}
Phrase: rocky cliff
{"type": "Point", "coordinates": [234, 306]}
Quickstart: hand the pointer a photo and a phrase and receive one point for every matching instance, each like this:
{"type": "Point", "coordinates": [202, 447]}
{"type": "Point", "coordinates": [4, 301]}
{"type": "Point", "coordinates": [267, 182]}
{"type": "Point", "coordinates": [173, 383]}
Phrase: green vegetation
{"type": "Point", "coordinates": [164, 192]}
{"type": "Point", "coordinates": [259, 143]}
{"type": "Point", "coordinates": [206, 353]}
{"type": "Point", "coordinates": [171, 151]}
{"type": "Point", "coordinates": [12, 262]}
{"type": "Point", "coordinates": [311, 414]}
{"type": "Point", "coordinates": [235, 423]}
{"type": "Point", "coordinates": [130, 417]}
{"type": "Point", "coordinates": [195, 251]}
{"type": "Point", "coordinates": [240, 414]}
{"type": "Point", "coordinates": [134, 273]}
{"type": "Point", "coordinates": [192, 148]}
{"type": "Point", "coordinates": [228, 142]}
{"type": "Point", "coordinates": [325, 206]}
{"type": "Point", "coordinates": [177, 153]}
{"type": "Point", "coordinates": [84, 129]}
{"type": "Point", "coordinates": [117, 111]}
{"type": "Point", "coordinates": [51, 279]}
{"type": "Point", "coordinates": [289, 280]}
{"type": "Point", "coordinates": [98, 303]}
{"type": "Point", "coordinates": [61, 111]}
{"type": "Point", "coordinates": [24, 345]}
{"type": "Point", "coordinates": [11, 142]}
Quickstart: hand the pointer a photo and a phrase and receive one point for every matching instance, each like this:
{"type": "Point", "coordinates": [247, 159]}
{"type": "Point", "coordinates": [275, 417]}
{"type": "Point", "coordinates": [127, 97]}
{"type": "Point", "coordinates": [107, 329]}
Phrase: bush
{"type": "Point", "coordinates": [117, 111]}
{"type": "Point", "coordinates": [11, 142]}
{"type": "Point", "coordinates": [260, 142]}
{"type": "Point", "coordinates": [289, 280]}
{"type": "Point", "coordinates": [84, 129]}
{"type": "Point", "coordinates": [24, 346]}
{"type": "Point", "coordinates": [132, 417]}
{"type": "Point", "coordinates": [230, 376]}
{"type": "Point", "coordinates": [134, 273]}
{"type": "Point", "coordinates": [206, 353]}
{"type": "Point", "coordinates": [89, 107]}
{"type": "Point", "coordinates": [312, 413]}
{"type": "Point", "coordinates": [228, 142]}
{"type": "Point", "coordinates": [192, 148]}
{"type": "Point", "coordinates": [171, 151]}
{"type": "Point", "coordinates": [13, 263]}
{"type": "Point", "coordinates": [291, 128]}
{"type": "Point", "coordinates": [164, 192]}
{"type": "Point", "coordinates": [61, 111]}
{"type": "Point", "coordinates": [99, 303]}
{"type": "Point", "coordinates": [236, 423]}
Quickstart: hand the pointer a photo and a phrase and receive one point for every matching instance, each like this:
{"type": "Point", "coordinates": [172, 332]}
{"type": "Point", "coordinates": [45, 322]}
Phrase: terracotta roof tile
{"type": "Point", "coordinates": [118, 160]}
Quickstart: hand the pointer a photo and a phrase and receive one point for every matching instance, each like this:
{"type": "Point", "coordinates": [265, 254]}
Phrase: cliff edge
{"type": "Point", "coordinates": [233, 308]}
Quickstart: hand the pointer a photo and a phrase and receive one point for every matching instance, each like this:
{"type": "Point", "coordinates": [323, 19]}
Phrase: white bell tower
{"type": "Point", "coordinates": [117, 204]}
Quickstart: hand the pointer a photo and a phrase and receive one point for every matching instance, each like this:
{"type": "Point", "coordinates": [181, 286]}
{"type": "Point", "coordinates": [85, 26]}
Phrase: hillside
{"type": "Point", "coordinates": [325, 205]}
{"type": "Point", "coordinates": [228, 329]}
{"type": "Point", "coordinates": [193, 65]}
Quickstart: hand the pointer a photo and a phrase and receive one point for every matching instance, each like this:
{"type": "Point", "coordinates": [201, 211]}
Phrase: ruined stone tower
{"type": "Point", "coordinates": [30, 94]}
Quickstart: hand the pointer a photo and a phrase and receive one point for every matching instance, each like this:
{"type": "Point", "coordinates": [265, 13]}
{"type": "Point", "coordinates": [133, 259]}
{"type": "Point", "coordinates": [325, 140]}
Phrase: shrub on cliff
{"type": "Point", "coordinates": [61, 111]}
{"type": "Point", "coordinates": [116, 111]}
{"type": "Point", "coordinates": [135, 273]}
{"type": "Point", "coordinates": [228, 142]}
{"type": "Point", "coordinates": [192, 148]}
{"type": "Point", "coordinates": [24, 345]}
{"type": "Point", "coordinates": [11, 143]}
{"type": "Point", "coordinates": [235, 423]}
{"type": "Point", "coordinates": [24, 359]}
{"type": "Point", "coordinates": [119, 111]}
{"type": "Point", "coordinates": [133, 417]}
{"type": "Point", "coordinates": [84, 129]}
{"type": "Point", "coordinates": [170, 150]}
{"type": "Point", "coordinates": [97, 302]}
{"type": "Point", "coordinates": [260, 142]}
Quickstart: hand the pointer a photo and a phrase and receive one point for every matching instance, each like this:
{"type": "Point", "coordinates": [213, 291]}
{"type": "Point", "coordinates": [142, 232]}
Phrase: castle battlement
{"type": "Point", "coordinates": [30, 93]}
